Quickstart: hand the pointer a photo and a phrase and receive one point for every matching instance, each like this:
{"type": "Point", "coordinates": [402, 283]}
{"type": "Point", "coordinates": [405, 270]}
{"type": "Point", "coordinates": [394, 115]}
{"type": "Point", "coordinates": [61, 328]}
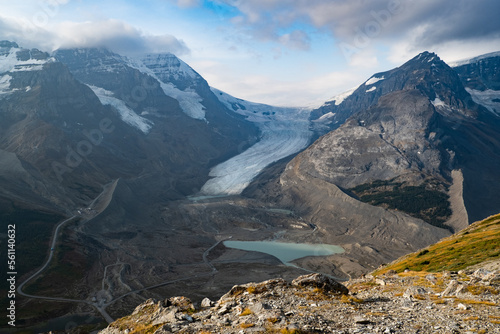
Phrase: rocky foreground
{"type": "Point", "coordinates": [409, 302]}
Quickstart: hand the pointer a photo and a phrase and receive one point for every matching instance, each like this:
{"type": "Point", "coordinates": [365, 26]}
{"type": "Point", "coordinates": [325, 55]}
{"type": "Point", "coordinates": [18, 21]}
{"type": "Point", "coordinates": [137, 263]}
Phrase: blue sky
{"type": "Point", "coordinates": [282, 52]}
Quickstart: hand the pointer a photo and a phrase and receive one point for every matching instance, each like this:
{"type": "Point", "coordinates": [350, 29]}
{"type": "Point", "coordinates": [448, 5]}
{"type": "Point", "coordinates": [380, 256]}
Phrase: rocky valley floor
{"type": "Point", "coordinates": [409, 302]}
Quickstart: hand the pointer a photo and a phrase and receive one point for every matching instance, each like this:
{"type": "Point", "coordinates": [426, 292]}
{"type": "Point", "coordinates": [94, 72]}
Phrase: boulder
{"type": "Point", "coordinates": [321, 282]}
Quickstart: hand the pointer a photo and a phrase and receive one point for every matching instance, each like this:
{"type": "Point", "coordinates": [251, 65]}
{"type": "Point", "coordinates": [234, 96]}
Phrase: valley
{"type": "Point", "coordinates": [149, 208]}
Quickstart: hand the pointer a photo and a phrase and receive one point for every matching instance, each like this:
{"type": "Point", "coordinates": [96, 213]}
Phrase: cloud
{"type": "Point", "coordinates": [297, 40]}
{"type": "Point", "coordinates": [188, 3]}
{"type": "Point", "coordinates": [350, 21]}
{"type": "Point", "coordinates": [115, 35]}
{"type": "Point", "coordinates": [265, 87]}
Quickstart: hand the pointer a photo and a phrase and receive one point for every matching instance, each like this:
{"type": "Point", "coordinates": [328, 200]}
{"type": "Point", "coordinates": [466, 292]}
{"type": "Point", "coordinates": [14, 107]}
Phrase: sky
{"type": "Point", "coordinates": [279, 52]}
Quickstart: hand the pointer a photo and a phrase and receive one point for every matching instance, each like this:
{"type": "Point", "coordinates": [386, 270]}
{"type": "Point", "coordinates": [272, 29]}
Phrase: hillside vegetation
{"type": "Point", "coordinates": [477, 243]}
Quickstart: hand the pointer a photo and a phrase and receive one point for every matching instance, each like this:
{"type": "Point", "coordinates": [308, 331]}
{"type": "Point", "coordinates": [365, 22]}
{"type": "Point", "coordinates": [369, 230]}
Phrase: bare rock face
{"type": "Point", "coordinates": [323, 282]}
{"type": "Point", "coordinates": [392, 139]}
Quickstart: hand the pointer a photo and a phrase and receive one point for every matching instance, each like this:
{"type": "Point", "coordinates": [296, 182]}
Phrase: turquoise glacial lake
{"type": "Point", "coordinates": [284, 251]}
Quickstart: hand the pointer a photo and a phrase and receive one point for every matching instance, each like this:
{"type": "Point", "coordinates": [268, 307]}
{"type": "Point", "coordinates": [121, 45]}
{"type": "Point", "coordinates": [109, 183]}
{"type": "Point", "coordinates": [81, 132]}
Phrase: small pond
{"type": "Point", "coordinates": [284, 251]}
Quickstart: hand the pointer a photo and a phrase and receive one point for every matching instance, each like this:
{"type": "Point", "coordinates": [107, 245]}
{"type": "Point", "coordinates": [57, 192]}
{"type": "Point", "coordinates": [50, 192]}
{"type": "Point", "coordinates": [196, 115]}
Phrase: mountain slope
{"type": "Point", "coordinates": [478, 243]}
{"type": "Point", "coordinates": [481, 77]}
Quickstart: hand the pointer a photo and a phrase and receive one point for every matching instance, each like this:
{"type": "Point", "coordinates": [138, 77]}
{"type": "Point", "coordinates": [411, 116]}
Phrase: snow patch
{"type": "Point", "coordinates": [5, 85]}
{"type": "Point", "coordinates": [189, 100]}
{"type": "Point", "coordinates": [126, 114]}
{"type": "Point", "coordinates": [341, 97]}
{"type": "Point", "coordinates": [438, 103]}
{"type": "Point", "coordinates": [373, 80]}
{"type": "Point", "coordinates": [490, 99]}
{"type": "Point", "coordinates": [325, 117]}
{"type": "Point", "coordinates": [371, 89]}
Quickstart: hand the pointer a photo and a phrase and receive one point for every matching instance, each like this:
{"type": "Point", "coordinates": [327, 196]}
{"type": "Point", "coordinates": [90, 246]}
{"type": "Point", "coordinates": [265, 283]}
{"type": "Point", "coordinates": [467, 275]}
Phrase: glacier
{"type": "Point", "coordinates": [488, 98]}
{"type": "Point", "coordinates": [284, 131]}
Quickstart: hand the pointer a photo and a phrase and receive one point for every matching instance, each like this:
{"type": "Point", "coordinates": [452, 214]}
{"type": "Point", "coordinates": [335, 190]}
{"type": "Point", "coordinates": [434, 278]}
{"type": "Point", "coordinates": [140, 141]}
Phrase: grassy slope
{"type": "Point", "coordinates": [475, 244]}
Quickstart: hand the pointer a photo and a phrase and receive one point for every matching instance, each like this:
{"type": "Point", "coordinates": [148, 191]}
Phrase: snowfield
{"type": "Point", "coordinates": [126, 114]}
{"type": "Point", "coordinates": [284, 131]}
{"type": "Point", "coordinates": [438, 103]}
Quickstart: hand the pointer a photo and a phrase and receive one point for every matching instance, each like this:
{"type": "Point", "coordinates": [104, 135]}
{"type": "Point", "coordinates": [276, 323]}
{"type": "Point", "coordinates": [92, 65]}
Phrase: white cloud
{"type": "Point", "coordinates": [117, 36]}
{"type": "Point", "coordinates": [113, 34]}
{"type": "Point", "coordinates": [297, 39]}
{"type": "Point", "coordinates": [188, 3]}
{"type": "Point", "coordinates": [270, 89]}
{"type": "Point", "coordinates": [357, 21]}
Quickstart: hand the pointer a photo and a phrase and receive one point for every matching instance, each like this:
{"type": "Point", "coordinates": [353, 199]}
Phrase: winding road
{"type": "Point", "coordinates": [99, 305]}
{"type": "Point", "coordinates": [49, 259]}
{"type": "Point", "coordinates": [52, 248]}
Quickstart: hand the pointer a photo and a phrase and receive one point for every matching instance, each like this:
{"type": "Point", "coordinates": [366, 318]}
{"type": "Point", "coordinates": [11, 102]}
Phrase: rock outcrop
{"type": "Point", "coordinates": [445, 302]}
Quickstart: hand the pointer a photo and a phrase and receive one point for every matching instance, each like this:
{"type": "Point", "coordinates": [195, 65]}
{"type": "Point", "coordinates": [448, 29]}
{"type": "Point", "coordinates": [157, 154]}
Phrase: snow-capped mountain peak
{"type": "Point", "coordinates": [167, 64]}
{"type": "Point", "coordinates": [16, 59]}
{"type": "Point", "coordinates": [177, 79]}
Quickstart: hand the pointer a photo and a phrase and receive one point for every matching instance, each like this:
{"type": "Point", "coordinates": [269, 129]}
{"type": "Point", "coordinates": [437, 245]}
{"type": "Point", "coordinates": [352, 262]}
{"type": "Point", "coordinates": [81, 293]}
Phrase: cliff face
{"type": "Point", "coordinates": [395, 138]}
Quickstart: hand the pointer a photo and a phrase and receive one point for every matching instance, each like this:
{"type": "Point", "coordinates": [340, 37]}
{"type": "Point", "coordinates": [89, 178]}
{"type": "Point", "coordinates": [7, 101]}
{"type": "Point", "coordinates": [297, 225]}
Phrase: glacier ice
{"type": "Point", "coordinates": [488, 98]}
{"type": "Point", "coordinates": [284, 131]}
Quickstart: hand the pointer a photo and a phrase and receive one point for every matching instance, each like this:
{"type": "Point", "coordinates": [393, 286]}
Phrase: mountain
{"type": "Point", "coordinates": [85, 134]}
{"type": "Point", "coordinates": [413, 161]}
{"type": "Point", "coordinates": [88, 110]}
{"type": "Point", "coordinates": [481, 78]}
{"type": "Point", "coordinates": [419, 73]}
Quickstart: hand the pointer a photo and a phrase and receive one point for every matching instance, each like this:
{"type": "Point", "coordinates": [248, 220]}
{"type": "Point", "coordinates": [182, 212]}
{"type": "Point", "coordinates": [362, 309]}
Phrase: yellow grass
{"type": "Point", "coordinates": [245, 312]}
{"type": "Point", "coordinates": [477, 243]}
